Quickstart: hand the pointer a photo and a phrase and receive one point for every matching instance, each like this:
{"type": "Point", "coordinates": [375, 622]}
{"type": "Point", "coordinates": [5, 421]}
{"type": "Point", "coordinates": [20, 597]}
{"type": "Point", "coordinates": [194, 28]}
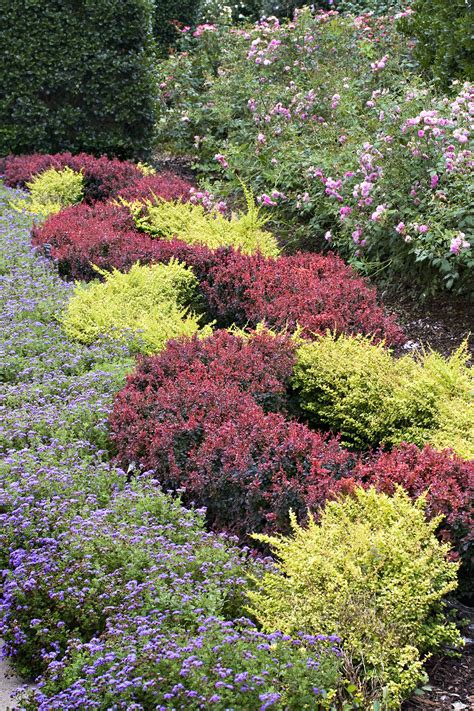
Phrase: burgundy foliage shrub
{"type": "Point", "coordinates": [447, 479]}
{"type": "Point", "coordinates": [164, 185]}
{"type": "Point", "coordinates": [191, 415]}
{"type": "Point", "coordinates": [317, 292]}
{"type": "Point", "coordinates": [103, 177]}
{"type": "Point", "coordinates": [104, 234]}
{"type": "Point", "coordinates": [261, 365]}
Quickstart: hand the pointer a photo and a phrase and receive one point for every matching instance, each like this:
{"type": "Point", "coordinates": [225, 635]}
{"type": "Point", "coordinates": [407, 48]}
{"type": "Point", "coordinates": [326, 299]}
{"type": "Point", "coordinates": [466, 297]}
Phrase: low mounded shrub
{"type": "Point", "coordinates": [221, 665]}
{"type": "Point", "coordinates": [309, 291]}
{"type": "Point", "coordinates": [148, 304]}
{"type": "Point", "coordinates": [52, 190]}
{"type": "Point", "coordinates": [166, 186]}
{"type": "Point", "coordinates": [372, 572]}
{"type": "Point", "coordinates": [260, 363]}
{"type": "Point", "coordinates": [357, 388]}
{"type": "Point", "coordinates": [103, 177]}
{"type": "Point", "coordinates": [143, 552]}
{"type": "Point", "coordinates": [194, 225]}
{"type": "Point", "coordinates": [191, 415]}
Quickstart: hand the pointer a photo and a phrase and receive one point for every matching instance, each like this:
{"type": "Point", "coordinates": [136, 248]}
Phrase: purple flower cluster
{"type": "Point", "coordinates": [138, 664]}
{"type": "Point", "coordinates": [112, 590]}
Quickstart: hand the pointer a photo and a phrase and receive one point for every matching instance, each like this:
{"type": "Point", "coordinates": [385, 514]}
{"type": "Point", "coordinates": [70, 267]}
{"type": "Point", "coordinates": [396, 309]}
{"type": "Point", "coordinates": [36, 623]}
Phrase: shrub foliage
{"type": "Point", "coordinates": [192, 224]}
{"type": "Point", "coordinates": [373, 573]}
{"type": "Point", "coordinates": [79, 76]}
{"type": "Point", "coordinates": [357, 388]}
{"type": "Point", "coordinates": [309, 291]}
{"type": "Point", "coordinates": [103, 177]}
{"type": "Point", "coordinates": [52, 190]}
{"type": "Point", "coordinates": [444, 42]}
{"type": "Point", "coordinates": [148, 304]}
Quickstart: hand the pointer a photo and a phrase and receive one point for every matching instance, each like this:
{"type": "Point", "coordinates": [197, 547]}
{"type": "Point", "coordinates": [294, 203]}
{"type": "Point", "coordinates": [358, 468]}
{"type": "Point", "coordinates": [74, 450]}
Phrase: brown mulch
{"type": "Point", "coordinates": [451, 686]}
{"type": "Point", "coordinates": [441, 323]}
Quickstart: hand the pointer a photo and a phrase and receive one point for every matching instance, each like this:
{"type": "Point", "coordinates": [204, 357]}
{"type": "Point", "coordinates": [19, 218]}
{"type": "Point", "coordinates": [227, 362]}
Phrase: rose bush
{"type": "Point", "coordinates": [356, 150]}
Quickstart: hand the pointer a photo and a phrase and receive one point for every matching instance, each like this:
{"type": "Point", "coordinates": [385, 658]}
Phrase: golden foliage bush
{"type": "Point", "coordinates": [52, 190]}
{"type": "Point", "coordinates": [372, 572]}
{"type": "Point", "coordinates": [353, 386]}
{"type": "Point", "coordinates": [193, 224]}
{"type": "Point", "coordinates": [148, 305]}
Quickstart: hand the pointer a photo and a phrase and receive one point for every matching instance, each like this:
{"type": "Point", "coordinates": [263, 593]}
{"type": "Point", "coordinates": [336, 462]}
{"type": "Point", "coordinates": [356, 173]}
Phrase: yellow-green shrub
{"type": "Point", "coordinates": [52, 190]}
{"type": "Point", "coordinates": [373, 572]}
{"type": "Point", "coordinates": [146, 169]}
{"type": "Point", "coordinates": [353, 386]}
{"type": "Point", "coordinates": [148, 304]}
{"type": "Point", "coordinates": [191, 223]}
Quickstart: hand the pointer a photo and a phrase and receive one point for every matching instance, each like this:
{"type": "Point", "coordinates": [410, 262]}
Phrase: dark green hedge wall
{"type": "Point", "coordinates": [444, 31]}
{"type": "Point", "coordinates": [77, 75]}
{"type": "Point", "coordinates": [169, 12]}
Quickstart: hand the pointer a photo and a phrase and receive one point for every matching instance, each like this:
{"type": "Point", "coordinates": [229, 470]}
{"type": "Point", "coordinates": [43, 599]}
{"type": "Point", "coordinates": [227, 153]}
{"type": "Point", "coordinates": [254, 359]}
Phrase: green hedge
{"type": "Point", "coordinates": [78, 76]}
{"type": "Point", "coordinates": [444, 35]}
{"type": "Point", "coordinates": [170, 14]}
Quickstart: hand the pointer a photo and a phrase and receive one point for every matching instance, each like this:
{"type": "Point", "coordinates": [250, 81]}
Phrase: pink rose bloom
{"type": "Point", "coordinates": [356, 235]}
{"type": "Point", "coordinates": [459, 243]}
{"type": "Point", "coordinates": [261, 138]}
{"type": "Point", "coordinates": [434, 181]}
{"type": "Point", "coordinates": [423, 229]}
{"type": "Point", "coordinates": [400, 228]}
{"type": "Point", "coordinates": [265, 199]}
{"type": "Point", "coordinates": [221, 159]}
{"type": "Point", "coordinates": [378, 213]}
{"type": "Point", "coordinates": [377, 66]}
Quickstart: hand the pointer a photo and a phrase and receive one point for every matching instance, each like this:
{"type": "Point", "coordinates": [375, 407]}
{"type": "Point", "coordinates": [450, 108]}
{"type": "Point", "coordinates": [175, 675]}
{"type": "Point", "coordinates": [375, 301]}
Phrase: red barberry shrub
{"type": "Point", "coordinates": [317, 292]}
{"type": "Point", "coordinates": [83, 234]}
{"type": "Point", "coordinates": [260, 364]}
{"type": "Point", "coordinates": [103, 177]}
{"type": "Point", "coordinates": [447, 480]}
{"type": "Point", "coordinates": [19, 170]}
{"type": "Point", "coordinates": [104, 234]}
{"type": "Point", "coordinates": [254, 468]}
{"type": "Point", "coordinates": [192, 415]}
{"type": "Point", "coordinates": [167, 186]}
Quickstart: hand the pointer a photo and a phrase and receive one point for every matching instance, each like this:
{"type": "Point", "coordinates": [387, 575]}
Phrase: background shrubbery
{"type": "Point", "coordinates": [444, 41]}
{"type": "Point", "coordinates": [79, 77]}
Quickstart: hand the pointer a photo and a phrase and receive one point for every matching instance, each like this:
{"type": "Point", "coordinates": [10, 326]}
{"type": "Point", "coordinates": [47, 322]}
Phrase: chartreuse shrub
{"type": "Point", "coordinates": [356, 387]}
{"type": "Point", "coordinates": [80, 77]}
{"type": "Point", "coordinates": [191, 223]}
{"type": "Point", "coordinates": [149, 304]}
{"type": "Point", "coordinates": [372, 572]}
{"type": "Point", "coordinates": [51, 191]}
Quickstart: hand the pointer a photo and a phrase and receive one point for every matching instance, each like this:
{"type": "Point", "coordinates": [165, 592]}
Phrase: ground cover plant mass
{"type": "Point", "coordinates": [229, 478]}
